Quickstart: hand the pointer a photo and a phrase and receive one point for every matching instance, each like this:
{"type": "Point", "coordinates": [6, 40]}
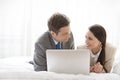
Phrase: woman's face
{"type": "Point", "coordinates": [91, 41]}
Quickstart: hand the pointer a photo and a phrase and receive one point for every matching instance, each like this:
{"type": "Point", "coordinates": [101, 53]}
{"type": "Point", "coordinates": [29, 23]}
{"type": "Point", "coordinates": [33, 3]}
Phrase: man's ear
{"type": "Point", "coordinates": [52, 33]}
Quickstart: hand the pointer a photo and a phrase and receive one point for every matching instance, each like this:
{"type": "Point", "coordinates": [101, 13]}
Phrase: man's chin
{"type": "Point", "coordinates": [65, 40]}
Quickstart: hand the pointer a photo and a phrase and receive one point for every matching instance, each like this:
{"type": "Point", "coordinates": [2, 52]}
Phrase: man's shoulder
{"type": "Point", "coordinates": [43, 39]}
{"type": "Point", "coordinates": [44, 36]}
{"type": "Point", "coordinates": [71, 39]}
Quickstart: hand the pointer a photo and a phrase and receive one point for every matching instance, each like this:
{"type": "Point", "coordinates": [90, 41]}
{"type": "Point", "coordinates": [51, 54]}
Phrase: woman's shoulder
{"type": "Point", "coordinates": [110, 49]}
{"type": "Point", "coordinates": [110, 46]}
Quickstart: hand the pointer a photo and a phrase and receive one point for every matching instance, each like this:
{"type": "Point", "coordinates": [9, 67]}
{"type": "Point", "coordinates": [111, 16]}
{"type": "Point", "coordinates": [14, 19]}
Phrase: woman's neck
{"type": "Point", "coordinates": [96, 50]}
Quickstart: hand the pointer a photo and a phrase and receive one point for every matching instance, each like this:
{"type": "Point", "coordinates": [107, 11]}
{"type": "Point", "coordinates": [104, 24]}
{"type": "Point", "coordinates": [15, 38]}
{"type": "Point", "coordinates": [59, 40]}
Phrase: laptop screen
{"type": "Point", "coordinates": [68, 61]}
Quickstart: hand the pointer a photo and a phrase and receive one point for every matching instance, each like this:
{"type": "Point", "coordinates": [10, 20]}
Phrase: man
{"type": "Point", "coordinates": [59, 32]}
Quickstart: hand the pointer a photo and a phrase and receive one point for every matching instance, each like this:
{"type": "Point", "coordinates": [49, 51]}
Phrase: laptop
{"type": "Point", "coordinates": [68, 61]}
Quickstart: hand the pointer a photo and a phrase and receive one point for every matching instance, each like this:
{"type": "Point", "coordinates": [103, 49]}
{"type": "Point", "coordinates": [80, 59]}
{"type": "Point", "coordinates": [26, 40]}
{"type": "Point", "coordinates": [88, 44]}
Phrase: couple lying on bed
{"type": "Point", "coordinates": [102, 54]}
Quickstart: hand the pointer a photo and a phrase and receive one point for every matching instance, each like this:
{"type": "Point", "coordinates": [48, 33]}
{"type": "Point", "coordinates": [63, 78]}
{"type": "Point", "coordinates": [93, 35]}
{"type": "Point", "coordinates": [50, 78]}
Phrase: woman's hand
{"type": "Point", "coordinates": [98, 68]}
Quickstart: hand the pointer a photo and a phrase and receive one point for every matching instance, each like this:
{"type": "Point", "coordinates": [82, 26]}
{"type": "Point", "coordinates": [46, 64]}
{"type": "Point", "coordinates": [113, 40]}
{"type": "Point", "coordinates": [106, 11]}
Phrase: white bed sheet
{"type": "Point", "coordinates": [55, 76]}
{"type": "Point", "coordinates": [16, 64]}
{"type": "Point", "coordinates": [18, 68]}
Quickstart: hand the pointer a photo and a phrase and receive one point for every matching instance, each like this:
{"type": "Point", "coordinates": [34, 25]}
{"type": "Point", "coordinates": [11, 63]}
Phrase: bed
{"type": "Point", "coordinates": [19, 68]}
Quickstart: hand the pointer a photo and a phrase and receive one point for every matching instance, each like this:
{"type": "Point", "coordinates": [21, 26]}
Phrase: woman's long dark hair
{"type": "Point", "coordinates": [100, 33]}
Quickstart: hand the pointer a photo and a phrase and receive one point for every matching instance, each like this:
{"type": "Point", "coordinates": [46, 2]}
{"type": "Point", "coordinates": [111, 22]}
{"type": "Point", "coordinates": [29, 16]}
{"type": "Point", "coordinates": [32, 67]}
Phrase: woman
{"type": "Point", "coordinates": [102, 54]}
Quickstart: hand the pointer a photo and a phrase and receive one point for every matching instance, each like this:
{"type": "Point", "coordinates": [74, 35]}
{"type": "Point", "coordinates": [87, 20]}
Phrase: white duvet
{"type": "Point", "coordinates": [18, 68]}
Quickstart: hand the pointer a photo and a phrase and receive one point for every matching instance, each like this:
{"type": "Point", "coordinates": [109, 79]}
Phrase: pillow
{"type": "Point", "coordinates": [116, 68]}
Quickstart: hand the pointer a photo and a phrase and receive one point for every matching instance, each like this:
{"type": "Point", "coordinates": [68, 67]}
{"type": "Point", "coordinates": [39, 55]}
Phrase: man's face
{"type": "Point", "coordinates": [63, 34]}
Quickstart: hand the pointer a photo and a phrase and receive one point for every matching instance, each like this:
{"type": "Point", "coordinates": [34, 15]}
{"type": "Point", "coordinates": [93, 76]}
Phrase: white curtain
{"type": "Point", "coordinates": [15, 27]}
{"type": "Point", "coordinates": [23, 21]}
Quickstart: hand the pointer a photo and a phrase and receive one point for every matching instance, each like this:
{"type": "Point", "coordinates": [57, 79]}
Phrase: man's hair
{"type": "Point", "coordinates": [57, 21]}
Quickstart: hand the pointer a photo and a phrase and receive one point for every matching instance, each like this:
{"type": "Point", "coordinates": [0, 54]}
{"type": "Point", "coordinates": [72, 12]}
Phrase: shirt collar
{"type": "Point", "coordinates": [96, 54]}
{"type": "Point", "coordinates": [55, 41]}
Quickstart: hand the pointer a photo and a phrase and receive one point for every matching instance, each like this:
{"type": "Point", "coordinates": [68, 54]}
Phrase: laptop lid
{"type": "Point", "coordinates": [68, 61]}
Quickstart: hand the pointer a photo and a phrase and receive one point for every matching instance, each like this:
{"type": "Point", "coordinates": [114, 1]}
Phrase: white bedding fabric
{"type": "Point", "coordinates": [18, 68]}
{"type": "Point", "coordinates": [116, 68]}
{"type": "Point", "coordinates": [16, 64]}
